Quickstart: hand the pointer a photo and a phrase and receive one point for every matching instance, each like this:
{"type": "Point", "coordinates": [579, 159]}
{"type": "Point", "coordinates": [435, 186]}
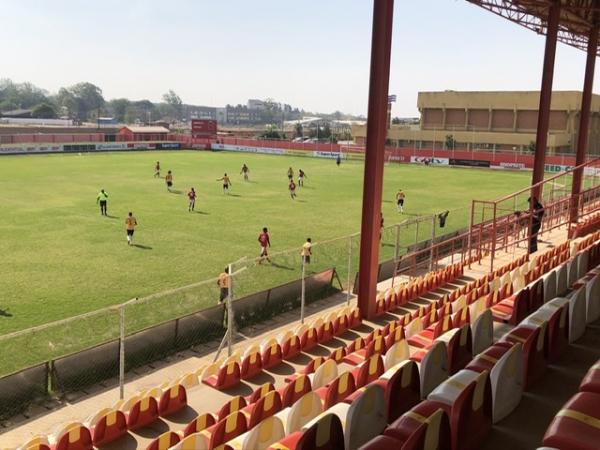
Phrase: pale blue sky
{"type": "Point", "coordinates": [310, 53]}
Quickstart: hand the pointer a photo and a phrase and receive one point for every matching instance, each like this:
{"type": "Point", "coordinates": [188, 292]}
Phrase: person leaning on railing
{"type": "Point", "coordinates": [536, 223]}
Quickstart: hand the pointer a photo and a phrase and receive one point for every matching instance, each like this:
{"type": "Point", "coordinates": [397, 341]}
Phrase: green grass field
{"type": "Point", "coordinates": [61, 258]}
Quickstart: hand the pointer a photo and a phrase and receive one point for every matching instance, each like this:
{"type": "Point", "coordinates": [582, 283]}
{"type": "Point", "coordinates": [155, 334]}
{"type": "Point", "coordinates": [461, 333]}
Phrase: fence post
{"type": "Point", "coordinates": [302, 299]}
{"type": "Point", "coordinates": [230, 312]}
{"type": "Point", "coordinates": [397, 251]}
{"type": "Point", "coordinates": [432, 242]}
{"type": "Point", "coordinates": [417, 231]}
{"type": "Point", "coordinates": [348, 294]}
{"type": "Point", "coordinates": [122, 353]}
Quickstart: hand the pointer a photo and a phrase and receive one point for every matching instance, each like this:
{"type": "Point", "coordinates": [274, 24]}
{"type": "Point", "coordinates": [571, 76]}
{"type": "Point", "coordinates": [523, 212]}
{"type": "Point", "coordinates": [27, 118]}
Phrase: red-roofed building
{"type": "Point", "coordinates": [137, 133]}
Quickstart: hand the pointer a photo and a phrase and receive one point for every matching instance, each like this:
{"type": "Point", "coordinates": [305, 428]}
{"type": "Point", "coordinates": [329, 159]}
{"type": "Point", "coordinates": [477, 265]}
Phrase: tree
{"type": "Point", "coordinates": [396, 121]}
{"type": "Point", "coordinates": [174, 102]}
{"type": "Point", "coordinates": [450, 142]}
{"type": "Point", "coordinates": [531, 147]}
{"type": "Point", "coordinates": [118, 106]}
{"type": "Point", "coordinates": [20, 95]}
{"type": "Point", "coordinates": [79, 100]}
{"type": "Point", "coordinates": [43, 111]}
{"type": "Point", "coordinates": [271, 133]}
{"type": "Point", "coordinates": [299, 130]}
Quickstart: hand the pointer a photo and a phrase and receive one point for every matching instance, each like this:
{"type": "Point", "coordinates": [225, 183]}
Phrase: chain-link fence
{"type": "Point", "coordinates": [71, 354]}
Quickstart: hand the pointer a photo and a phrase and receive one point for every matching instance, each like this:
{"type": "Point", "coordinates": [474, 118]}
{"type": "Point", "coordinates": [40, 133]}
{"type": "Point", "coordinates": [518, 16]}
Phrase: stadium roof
{"type": "Point", "coordinates": [577, 17]}
{"type": "Point", "coordinates": [155, 130]}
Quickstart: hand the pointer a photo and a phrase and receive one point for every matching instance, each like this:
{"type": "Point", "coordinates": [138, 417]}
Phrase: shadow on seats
{"type": "Point", "coordinates": [283, 368]}
{"type": "Point", "coordinates": [183, 417]}
{"type": "Point", "coordinates": [154, 430]}
{"type": "Point", "coordinates": [127, 442]}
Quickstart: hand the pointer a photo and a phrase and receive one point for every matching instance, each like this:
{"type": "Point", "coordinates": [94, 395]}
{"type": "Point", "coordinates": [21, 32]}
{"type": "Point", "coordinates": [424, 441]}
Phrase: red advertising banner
{"type": "Point", "coordinates": [204, 127]}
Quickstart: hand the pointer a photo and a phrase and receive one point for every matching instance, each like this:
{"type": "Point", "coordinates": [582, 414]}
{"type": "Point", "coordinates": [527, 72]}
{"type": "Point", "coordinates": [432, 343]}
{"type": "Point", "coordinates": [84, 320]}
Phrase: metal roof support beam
{"type": "Point", "coordinates": [584, 120]}
{"type": "Point", "coordinates": [545, 98]}
{"type": "Point", "coordinates": [381, 44]}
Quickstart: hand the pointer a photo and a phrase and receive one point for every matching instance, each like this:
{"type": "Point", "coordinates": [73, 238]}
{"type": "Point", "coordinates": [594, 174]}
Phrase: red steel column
{"type": "Point", "coordinates": [584, 120]}
{"type": "Point", "coordinates": [381, 44]}
{"type": "Point", "coordinates": [541, 139]}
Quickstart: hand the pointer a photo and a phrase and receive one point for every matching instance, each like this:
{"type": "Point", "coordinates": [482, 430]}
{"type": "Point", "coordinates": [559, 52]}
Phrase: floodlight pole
{"type": "Point", "coordinates": [381, 44]}
{"type": "Point", "coordinates": [584, 121]}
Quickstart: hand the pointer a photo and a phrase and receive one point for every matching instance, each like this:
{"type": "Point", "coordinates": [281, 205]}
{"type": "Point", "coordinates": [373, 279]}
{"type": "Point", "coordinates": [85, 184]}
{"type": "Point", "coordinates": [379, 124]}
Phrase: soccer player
{"type": "Point", "coordinates": [265, 243]}
{"type": "Point", "coordinates": [400, 200]}
{"type": "Point", "coordinates": [131, 223]}
{"type": "Point", "coordinates": [301, 176]}
{"type": "Point", "coordinates": [292, 188]}
{"type": "Point", "coordinates": [223, 283]}
{"type": "Point", "coordinates": [245, 171]}
{"type": "Point", "coordinates": [306, 251]}
{"type": "Point", "coordinates": [102, 198]}
{"type": "Point", "coordinates": [192, 198]}
{"type": "Point", "coordinates": [169, 180]}
{"type": "Point", "coordinates": [290, 173]}
{"type": "Point", "coordinates": [157, 170]}
{"type": "Point", "coordinates": [226, 183]}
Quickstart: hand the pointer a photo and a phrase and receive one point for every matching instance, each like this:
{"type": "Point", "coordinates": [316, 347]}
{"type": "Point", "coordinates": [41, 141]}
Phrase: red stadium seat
{"type": "Point", "coordinates": [534, 359]}
{"type": "Point", "coordinates": [251, 365]}
{"type": "Point", "coordinates": [227, 376]}
{"type": "Point", "coordinates": [325, 434]}
{"type": "Point", "coordinates": [225, 430]}
{"type": "Point", "coordinates": [591, 381]}
{"type": "Point", "coordinates": [265, 407]}
{"type": "Point", "coordinates": [294, 390]}
{"type": "Point", "coordinates": [325, 332]}
{"type": "Point", "coordinates": [354, 320]}
{"type": "Point", "coordinates": [36, 443]}
{"type": "Point", "coordinates": [402, 388]}
{"type": "Point", "coordinates": [368, 371]}
{"type": "Point", "coordinates": [340, 325]}
{"type": "Point", "coordinates": [72, 436]}
{"type": "Point", "coordinates": [140, 412]}
{"type": "Point", "coordinates": [425, 338]}
{"type": "Point", "coordinates": [172, 400]}
{"type": "Point", "coordinates": [106, 426]}
{"type": "Point", "coordinates": [164, 442]}
{"type": "Point", "coordinates": [340, 388]}
{"type": "Point", "coordinates": [394, 336]}
{"type": "Point", "coordinates": [467, 399]}
{"type": "Point", "coordinates": [377, 346]}
{"type": "Point", "coordinates": [290, 348]}
{"type": "Point", "coordinates": [576, 425]}
{"type": "Point", "coordinates": [459, 345]}
{"type": "Point", "coordinates": [271, 356]}
{"type": "Point", "coordinates": [512, 310]}
{"type": "Point", "coordinates": [536, 295]}
{"type": "Point", "coordinates": [421, 428]}
{"type": "Point", "coordinates": [337, 354]}
{"type": "Point", "coordinates": [309, 339]}
{"type": "Point", "coordinates": [235, 404]}
{"type": "Point", "coordinates": [260, 392]}
{"type": "Point", "coordinates": [202, 422]}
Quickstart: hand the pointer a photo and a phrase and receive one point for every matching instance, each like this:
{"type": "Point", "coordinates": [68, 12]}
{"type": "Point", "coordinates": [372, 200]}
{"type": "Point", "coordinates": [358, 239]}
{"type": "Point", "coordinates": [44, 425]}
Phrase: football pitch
{"type": "Point", "coordinates": [61, 258]}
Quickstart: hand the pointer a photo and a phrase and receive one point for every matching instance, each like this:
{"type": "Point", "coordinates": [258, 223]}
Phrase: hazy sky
{"type": "Point", "coordinates": [309, 53]}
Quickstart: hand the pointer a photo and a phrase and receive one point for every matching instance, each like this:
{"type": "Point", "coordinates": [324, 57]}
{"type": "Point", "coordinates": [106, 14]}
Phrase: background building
{"type": "Point", "coordinates": [495, 120]}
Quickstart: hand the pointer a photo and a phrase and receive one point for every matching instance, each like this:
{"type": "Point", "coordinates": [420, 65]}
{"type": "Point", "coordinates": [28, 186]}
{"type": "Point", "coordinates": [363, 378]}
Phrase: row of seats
{"type": "Point", "coordinates": [576, 425]}
{"type": "Point", "coordinates": [586, 225]}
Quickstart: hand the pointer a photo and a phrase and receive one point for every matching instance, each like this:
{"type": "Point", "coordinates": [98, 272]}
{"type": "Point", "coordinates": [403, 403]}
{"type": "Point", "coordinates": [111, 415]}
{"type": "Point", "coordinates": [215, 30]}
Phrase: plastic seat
{"type": "Point", "coordinates": [354, 319]}
{"type": "Point", "coordinates": [591, 381]}
{"type": "Point", "coordinates": [513, 309]}
{"type": "Point", "coordinates": [303, 411]}
{"type": "Point", "coordinates": [533, 342]}
{"type": "Point", "coordinates": [251, 365]}
{"type": "Point", "coordinates": [467, 399]}
{"type": "Point", "coordinates": [235, 404]}
{"type": "Point", "coordinates": [459, 347]}
{"type": "Point", "coordinates": [311, 367]}
{"type": "Point", "coordinates": [71, 436]}
{"type": "Point", "coordinates": [202, 422]}
{"type": "Point", "coordinates": [549, 281]}
{"type": "Point", "coordinates": [290, 347]}
{"type": "Point", "coordinates": [106, 426]}
{"type": "Point", "coordinates": [294, 390]}
{"type": "Point", "coordinates": [271, 355]}
{"type": "Point", "coordinates": [396, 335]}
{"type": "Point", "coordinates": [337, 354]}
{"type": "Point", "coordinates": [264, 407]}
{"type": "Point", "coordinates": [402, 388]}
{"type": "Point", "coordinates": [396, 353]}
{"type": "Point", "coordinates": [505, 365]}
{"type": "Point", "coordinates": [482, 332]}
{"type": "Point", "coordinates": [575, 426]}
{"type": "Point", "coordinates": [324, 374]}
{"type": "Point", "coordinates": [557, 331]}
{"type": "Point", "coordinates": [164, 442]}
{"type": "Point", "coordinates": [592, 299]}
{"type": "Point", "coordinates": [375, 347]}
{"type": "Point", "coordinates": [425, 338]}
{"type": "Point", "coordinates": [227, 376]}
{"type": "Point", "coordinates": [172, 400]}
{"type": "Point", "coordinates": [336, 391]}
{"type": "Point", "coordinates": [260, 437]}
{"type": "Point", "coordinates": [576, 305]}
{"type": "Point", "coordinates": [340, 325]}
{"type": "Point", "coordinates": [36, 443]}
{"type": "Point", "coordinates": [368, 371]}
{"type": "Point", "coordinates": [309, 339]}
{"type": "Point", "coordinates": [325, 434]}
{"type": "Point", "coordinates": [561, 280]}
{"type": "Point", "coordinates": [424, 427]}
{"type": "Point", "coordinates": [433, 367]}
{"type": "Point", "coordinates": [140, 411]}
{"type": "Point", "coordinates": [325, 332]}
{"type": "Point", "coordinates": [225, 430]}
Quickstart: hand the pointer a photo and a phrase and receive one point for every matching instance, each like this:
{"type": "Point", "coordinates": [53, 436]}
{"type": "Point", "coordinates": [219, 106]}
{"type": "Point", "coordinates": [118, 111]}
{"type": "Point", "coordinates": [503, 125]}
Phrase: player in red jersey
{"type": "Point", "coordinates": [265, 243]}
{"type": "Point", "coordinates": [292, 188]}
{"type": "Point", "coordinates": [192, 197]}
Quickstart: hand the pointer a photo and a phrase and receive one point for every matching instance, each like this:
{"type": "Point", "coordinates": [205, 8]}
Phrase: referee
{"type": "Point", "coordinates": [102, 199]}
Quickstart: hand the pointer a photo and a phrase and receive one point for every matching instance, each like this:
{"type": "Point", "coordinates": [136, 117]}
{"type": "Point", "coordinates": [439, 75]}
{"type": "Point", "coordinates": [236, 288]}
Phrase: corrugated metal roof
{"type": "Point", "coordinates": [154, 130]}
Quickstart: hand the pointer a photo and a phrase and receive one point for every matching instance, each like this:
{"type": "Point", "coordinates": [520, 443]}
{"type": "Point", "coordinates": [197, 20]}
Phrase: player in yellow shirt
{"type": "Point", "coordinates": [400, 200]}
{"type": "Point", "coordinates": [226, 183]}
{"type": "Point", "coordinates": [130, 223]}
{"type": "Point", "coordinates": [306, 251]}
{"type": "Point", "coordinates": [169, 180]}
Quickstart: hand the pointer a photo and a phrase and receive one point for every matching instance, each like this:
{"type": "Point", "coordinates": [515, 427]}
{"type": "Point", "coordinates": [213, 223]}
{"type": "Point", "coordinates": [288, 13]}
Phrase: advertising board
{"type": "Point", "coordinates": [111, 146]}
{"type": "Point", "coordinates": [248, 149]}
{"type": "Point", "coordinates": [469, 162]}
{"type": "Point", "coordinates": [511, 165]}
{"type": "Point", "coordinates": [168, 146]}
{"type": "Point", "coordinates": [44, 148]}
{"type": "Point", "coordinates": [429, 160]}
{"type": "Point", "coordinates": [330, 155]}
